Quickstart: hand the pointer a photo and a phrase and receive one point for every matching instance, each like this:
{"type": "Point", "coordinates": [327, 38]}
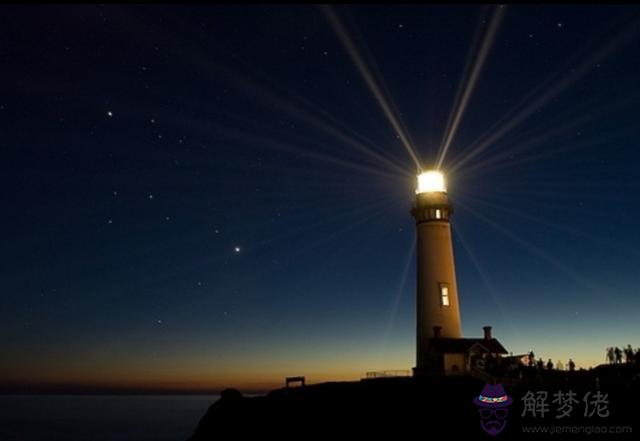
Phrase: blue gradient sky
{"type": "Point", "coordinates": [142, 145]}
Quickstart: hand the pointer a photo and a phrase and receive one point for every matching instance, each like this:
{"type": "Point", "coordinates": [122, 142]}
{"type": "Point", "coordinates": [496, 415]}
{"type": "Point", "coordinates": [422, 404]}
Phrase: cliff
{"type": "Point", "coordinates": [423, 408]}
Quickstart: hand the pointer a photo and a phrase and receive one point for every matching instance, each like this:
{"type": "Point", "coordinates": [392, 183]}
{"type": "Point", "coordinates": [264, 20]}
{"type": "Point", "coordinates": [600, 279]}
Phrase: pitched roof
{"type": "Point", "coordinates": [461, 345]}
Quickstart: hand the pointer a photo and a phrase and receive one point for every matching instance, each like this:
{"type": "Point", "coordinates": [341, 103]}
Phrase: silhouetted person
{"type": "Point", "coordinates": [618, 353]}
{"type": "Point", "coordinates": [572, 365]}
{"type": "Point", "coordinates": [540, 364]}
{"type": "Point", "coordinates": [610, 355]}
{"type": "Point", "coordinates": [637, 357]}
{"type": "Point", "coordinates": [628, 354]}
{"type": "Point", "coordinates": [549, 365]}
{"type": "Point", "coordinates": [532, 359]}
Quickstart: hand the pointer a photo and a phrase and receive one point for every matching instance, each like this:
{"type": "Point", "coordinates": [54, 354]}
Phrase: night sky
{"type": "Point", "coordinates": [212, 196]}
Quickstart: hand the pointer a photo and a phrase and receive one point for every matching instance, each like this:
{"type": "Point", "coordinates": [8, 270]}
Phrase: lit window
{"type": "Point", "coordinates": [444, 294]}
{"type": "Point", "coordinates": [438, 214]}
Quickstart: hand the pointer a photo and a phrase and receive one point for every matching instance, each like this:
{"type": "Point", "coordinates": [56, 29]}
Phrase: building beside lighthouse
{"type": "Point", "coordinates": [440, 346]}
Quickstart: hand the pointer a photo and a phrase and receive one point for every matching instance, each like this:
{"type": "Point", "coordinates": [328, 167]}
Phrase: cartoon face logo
{"type": "Point", "coordinates": [493, 407]}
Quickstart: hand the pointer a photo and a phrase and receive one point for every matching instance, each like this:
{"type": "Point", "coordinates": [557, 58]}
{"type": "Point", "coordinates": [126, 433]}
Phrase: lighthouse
{"type": "Point", "coordinates": [437, 306]}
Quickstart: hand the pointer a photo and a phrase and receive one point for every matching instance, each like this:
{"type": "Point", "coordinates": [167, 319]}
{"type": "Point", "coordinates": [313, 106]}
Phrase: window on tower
{"type": "Point", "coordinates": [444, 294]}
{"type": "Point", "coordinates": [437, 214]}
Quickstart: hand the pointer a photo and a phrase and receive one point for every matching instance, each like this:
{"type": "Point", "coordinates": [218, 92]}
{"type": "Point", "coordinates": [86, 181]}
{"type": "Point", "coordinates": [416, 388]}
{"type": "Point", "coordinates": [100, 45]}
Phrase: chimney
{"type": "Point", "coordinates": [487, 332]}
{"type": "Point", "coordinates": [437, 331]}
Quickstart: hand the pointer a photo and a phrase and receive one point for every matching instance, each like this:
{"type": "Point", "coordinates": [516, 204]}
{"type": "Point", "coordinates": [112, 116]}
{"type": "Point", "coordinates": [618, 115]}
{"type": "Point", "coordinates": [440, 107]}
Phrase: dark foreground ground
{"type": "Point", "coordinates": [431, 408]}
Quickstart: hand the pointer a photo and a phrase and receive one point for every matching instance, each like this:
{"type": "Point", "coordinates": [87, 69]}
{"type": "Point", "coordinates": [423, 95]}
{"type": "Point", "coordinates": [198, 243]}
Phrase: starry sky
{"type": "Point", "coordinates": [207, 196]}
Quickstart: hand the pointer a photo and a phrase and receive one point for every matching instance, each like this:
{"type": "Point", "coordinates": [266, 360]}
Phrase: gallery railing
{"type": "Point", "coordinates": [388, 374]}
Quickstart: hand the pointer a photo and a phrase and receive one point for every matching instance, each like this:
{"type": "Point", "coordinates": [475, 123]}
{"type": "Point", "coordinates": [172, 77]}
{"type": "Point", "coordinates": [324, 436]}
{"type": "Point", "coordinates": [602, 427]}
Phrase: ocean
{"type": "Point", "coordinates": [101, 417]}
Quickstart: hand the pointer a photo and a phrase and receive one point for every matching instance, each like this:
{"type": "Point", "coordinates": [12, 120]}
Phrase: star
{"type": "Point", "coordinates": [150, 196]}
{"type": "Point", "coordinates": [109, 113]}
{"type": "Point", "coordinates": [236, 249]}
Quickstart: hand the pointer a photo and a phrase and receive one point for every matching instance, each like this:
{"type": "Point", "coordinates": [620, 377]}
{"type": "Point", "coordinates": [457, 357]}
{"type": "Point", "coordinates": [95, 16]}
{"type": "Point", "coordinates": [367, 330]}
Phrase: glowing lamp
{"type": "Point", "coordinates": [431, 181]}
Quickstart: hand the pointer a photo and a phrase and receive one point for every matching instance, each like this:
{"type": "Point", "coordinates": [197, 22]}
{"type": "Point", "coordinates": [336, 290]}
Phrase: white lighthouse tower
{"type": "Point", "coordinates": [437, 307]}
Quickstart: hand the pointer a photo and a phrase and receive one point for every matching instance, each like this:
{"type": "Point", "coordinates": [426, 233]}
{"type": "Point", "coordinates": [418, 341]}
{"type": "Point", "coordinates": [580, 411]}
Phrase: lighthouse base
{"type": "Point", "coordinates": [459, 356]}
